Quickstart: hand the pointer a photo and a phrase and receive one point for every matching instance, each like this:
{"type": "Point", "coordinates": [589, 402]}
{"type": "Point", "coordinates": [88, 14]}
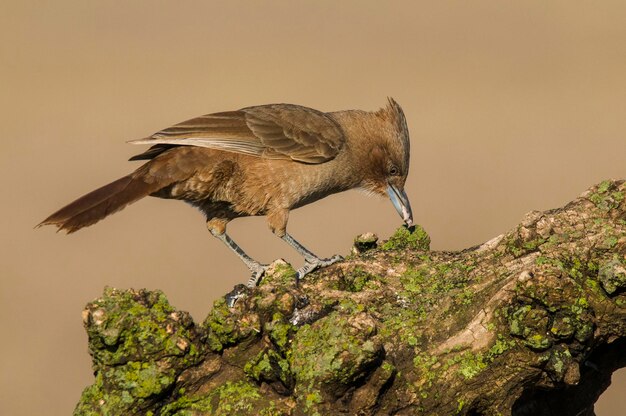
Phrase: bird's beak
{"type": "Point", "coordinates": [401, 202]}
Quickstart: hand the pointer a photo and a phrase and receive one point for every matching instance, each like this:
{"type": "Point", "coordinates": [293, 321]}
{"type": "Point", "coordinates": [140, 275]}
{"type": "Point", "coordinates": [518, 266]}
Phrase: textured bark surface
{"type": "Point", "coordinates": [529, 323]}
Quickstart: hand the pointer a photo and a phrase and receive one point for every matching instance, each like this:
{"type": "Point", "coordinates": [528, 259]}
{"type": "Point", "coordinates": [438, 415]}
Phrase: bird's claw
{"type": "Point", "coordinates": [312, 264]}
{"type": "Point", "coordinates": [257, 274]}
{"type": "Point", "coordinates": [238, 292]}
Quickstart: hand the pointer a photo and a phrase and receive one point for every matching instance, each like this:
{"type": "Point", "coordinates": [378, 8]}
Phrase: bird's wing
{"type": "Point", "coordinates": [275, 131]}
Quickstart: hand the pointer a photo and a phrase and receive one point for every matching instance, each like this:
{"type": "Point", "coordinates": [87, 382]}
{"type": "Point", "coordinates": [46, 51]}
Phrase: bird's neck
{"type": "Point", "coordinates": [359, 128]}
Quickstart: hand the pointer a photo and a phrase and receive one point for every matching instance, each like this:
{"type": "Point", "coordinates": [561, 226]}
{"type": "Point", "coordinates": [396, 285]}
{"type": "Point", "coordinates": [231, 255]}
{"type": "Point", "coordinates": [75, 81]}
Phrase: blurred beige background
{"type": "Point", "coordinates": [512, 106]}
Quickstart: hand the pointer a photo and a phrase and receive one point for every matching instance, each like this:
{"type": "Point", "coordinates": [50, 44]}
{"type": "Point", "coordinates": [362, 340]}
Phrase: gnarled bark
{"type": "Point", "coordinates": [529, 323]}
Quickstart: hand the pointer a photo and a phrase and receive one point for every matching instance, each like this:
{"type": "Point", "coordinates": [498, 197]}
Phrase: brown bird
{"type": "Point", "coordinates": [263, 160]}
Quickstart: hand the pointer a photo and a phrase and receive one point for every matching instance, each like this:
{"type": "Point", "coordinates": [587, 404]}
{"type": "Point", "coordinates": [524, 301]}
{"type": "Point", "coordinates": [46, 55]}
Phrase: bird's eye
{"type": "Point", "coordinates": [394, 171]}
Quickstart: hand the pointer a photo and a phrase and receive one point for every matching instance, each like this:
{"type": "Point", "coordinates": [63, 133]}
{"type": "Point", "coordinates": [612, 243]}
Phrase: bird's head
{"type": "Point", "coordinates": [386, 159]}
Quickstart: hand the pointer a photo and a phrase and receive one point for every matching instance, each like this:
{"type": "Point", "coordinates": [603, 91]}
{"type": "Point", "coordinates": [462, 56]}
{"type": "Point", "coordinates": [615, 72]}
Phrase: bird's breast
{"type": "Point", "coordinates": [250, 185]}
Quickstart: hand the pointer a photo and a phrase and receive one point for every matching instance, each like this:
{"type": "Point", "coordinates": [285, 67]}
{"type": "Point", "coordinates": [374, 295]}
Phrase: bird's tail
{"type": "Point", "coordinates": [102, 202]}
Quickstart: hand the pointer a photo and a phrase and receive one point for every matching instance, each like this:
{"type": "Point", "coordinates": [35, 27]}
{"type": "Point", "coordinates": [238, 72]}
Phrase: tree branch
{"type": "Point", "coordinates": [529, 323]}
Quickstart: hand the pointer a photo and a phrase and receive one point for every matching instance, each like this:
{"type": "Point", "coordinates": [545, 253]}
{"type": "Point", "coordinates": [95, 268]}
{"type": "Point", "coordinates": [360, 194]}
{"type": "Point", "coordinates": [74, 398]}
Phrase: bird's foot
{"type": "Point", "coordinates": [238, 292]}
{"type": "Point", "coordinates": [315, 263]}
{"type": "Point", "coordinates": [258, 271]}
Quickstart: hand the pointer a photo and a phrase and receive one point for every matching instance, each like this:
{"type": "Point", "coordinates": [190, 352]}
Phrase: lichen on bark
{"type": "Point", "coordinates": [508, 327]}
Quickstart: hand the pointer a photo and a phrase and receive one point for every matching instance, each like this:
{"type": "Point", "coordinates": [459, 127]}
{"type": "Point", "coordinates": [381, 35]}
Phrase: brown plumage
{"type": "Point", "coordinates": [263, 160]}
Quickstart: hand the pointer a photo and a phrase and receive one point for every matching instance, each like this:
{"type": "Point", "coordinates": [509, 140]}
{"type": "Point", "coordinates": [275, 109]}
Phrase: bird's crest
{"type": "Point", "coordinates": [393, 112]}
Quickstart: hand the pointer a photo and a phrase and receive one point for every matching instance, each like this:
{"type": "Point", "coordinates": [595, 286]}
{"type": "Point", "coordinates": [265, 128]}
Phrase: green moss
{"type": "Point", "coordinates": [612, 275]}
{"type": "Point", "coordinates": [331, 351]}
{"type": "Point", "coordinates": [235, 398]}
{"type": "Point", "coordinates": [130, 325]}
{"type": "Point", "coordinates": [312, 399]}
{"type": "Point", "coordinates": [466, 363]}
{"type": "Point", "coordinates": [280, 300]}
{"type": "Point", "coordinates": [280, 331]}
{"type": "Point", "coordinates": [94, 402]}
{"type": "Point", "coordinates": [425, 364]}
{"type": "Point", "coordinates": [465, 297]}
{"type": "Point", "coordinates": [424, 361]}
{"type": "Point", "coordinates": [516, 321]}
{"type": "Point", "coordinates": [556, 263]}
{"type": "Point", "coordinates": [584, 331]}
{"type": "Point", "coordinates": [124, 389]}
{"type": "Point", "coordinates": [538, 342]}
{"type": "Point", "coordinates": [501, 345]}
{"type": "Point", "coordinates": [562, 327]}
{"type": "Point", "coordinates": [607, 196]}
{"type": "Point", "coordinates": [425, 283]}
{"type": "Point", "coordinates": [594, 286]}
{"type": "Point", "coordinates": [604, 186]}
{"type": "Point", "coordinates": [139, 344]}
{"type": "Point", "coordinates": [575, 267]}
{"type": "Point", "coordinates": [534, 244]}
{"type": "Point", "coordinates": [141, 379]}
{"type": "Point", "coordinates": [273, 410]}
{"type": "Point", "coordinates": [401, 324]}
{"type": "Point", "coordinates": [224, 327]}
{"type": "Point", "coordinates": [281, 273]}
{"type": "Point", "coordinates": [269, 366]}
{"type": "Point", "coordinates": [584, 273]}
{"type": "Point", "coordinates": [221, 329]}
{"type": "Point", "coordinates": [388, 368]}
{"type": "Point", "coordinates": [581, 304]}
{"type": "Point", "coordinates": [559, 366]}
{"type": "Point", "coordinates": [471, 365]}
{"type": "Point", "coordinates": [559, 360]}
{"type": "Point", "coordinates": [408, 239]}
{"type": "Point", "coordinates": [460, 405]}
{"type": "Point", "coordinates": [260, 366]}
{"type": "Point", "coordinates": [423, 288]}
{"type": "Point", "coordinates": [415, 281]}
{"type": "Point", "coordinates": [531, 324]}
{"type": "Point", "coordinates": [568, 319]}
{"type": "Point", "coordinates": [358, 279]}
{"type": "Point", "coordinates": [518, 247]}
{"type": "Point", "coordinates": [231, 398]}
{"type": "Point", "coordinates": [610, 241]}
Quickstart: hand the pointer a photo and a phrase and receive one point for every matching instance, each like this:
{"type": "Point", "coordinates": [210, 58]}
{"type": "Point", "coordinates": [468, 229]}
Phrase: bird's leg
{"type": "Point", "coordinates": [312, 262]}
{"type": "Point", "coordinates": [257, 269]}
{"type": "Point", "coordinates": [277, 220]}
